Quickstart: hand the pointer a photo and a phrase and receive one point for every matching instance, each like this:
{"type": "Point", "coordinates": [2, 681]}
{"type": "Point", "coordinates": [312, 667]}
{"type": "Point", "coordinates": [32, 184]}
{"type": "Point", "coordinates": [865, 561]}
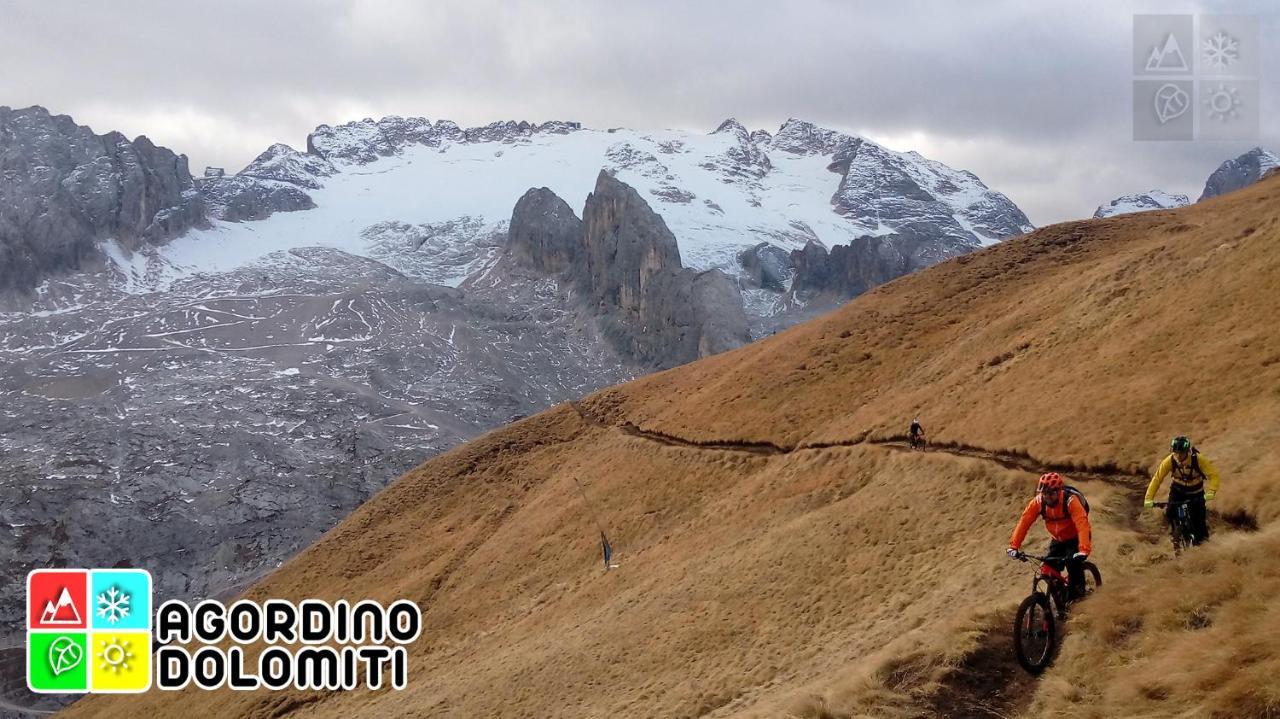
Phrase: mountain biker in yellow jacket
{"type": "Point", "coordinates": [1189, 471]}
{"type": "Point", "coordinates": [1067, 520]}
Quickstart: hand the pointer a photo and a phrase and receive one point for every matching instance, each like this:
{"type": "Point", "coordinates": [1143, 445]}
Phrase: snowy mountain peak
{"type": "Point", "coordinates": [282, 162]}
{"type": "Point", "coordinates": [1239, 172]}
{"type": "Point", "coordinates": [802, 137]}
{"type": "Point", "coordinates": [744, 159]}
{"type": "Point", "coordinates": [733, 127]}
{"type": "Point", "coordinates": [904, 192]}
{"type": "Point", "coordinates": [1142, 202]}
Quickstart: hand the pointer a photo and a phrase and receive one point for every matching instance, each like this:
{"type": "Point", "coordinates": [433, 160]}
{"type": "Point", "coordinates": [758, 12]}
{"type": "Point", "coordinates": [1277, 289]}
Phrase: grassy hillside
{"type": "Point", "coordinates": [780, 557]}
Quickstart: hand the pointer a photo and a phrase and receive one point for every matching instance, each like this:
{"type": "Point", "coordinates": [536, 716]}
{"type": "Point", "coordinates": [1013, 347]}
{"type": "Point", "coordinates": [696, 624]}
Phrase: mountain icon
{"type": "Point", "coordinates": [61, 612]}
{"type": "Point", "coordinates": [1168, 56]}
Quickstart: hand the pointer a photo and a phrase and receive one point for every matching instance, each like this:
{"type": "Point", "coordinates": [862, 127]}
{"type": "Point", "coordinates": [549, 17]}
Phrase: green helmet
{"type": "Point", "coordinates": [1180, 444]}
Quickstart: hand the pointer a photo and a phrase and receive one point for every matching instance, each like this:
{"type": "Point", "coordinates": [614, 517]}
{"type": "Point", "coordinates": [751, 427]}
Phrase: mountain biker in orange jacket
{"type": "Point", "coordinates": [1067, 521]}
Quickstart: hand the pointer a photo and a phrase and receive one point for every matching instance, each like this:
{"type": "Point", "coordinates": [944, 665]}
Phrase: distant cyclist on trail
{"type": "Point", "coordinates": [1066, 517]}
{"type": "Point", "coordinates": [1189, 470]}
{"type": "Point", "coordinates": [916, 433]}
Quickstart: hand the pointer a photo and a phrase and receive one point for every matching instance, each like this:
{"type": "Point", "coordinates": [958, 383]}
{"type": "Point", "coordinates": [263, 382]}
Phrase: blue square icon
{"type": "Point", "coordinates": [120, 599]}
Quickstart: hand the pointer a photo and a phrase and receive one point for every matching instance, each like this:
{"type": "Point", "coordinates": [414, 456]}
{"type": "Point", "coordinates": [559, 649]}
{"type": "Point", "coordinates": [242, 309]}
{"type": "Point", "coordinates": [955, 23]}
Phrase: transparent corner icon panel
{"type": "Point", "coordinates": [1196, 77]}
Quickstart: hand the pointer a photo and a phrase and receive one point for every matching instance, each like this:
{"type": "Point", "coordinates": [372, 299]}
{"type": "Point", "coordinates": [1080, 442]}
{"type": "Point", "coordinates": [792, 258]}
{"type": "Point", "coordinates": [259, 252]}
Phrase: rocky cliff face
{"type": "Point", "coordinates": [238, 199]}
{"type": "Point", "coordinates": [823, 277]}
{"type": "Point", "coordinates": [653, 308]}
{"type": "Point", "coordinates": [911, 211]}
{"type": "Point", "coordinates": [545, 235]}
{"type": "Point", "coordinates": [717, 319]}
{"type": "Point", "coordinates": [623, 263]}
{"type": "Point", "coordinates": [906, 191]}
{"type": "Point", "coordinates": [63, 189]}
{"type": "Point", "coordinates": [1240, 172]}
{"type": "Point", "coordinates": [767, 267]}
{"type": "Point", "coordinates": [626, 244]}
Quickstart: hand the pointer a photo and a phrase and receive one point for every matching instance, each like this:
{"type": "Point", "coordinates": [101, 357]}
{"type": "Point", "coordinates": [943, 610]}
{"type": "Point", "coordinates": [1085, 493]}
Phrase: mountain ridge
{"type": "Point", "coordinates": [711, 187]}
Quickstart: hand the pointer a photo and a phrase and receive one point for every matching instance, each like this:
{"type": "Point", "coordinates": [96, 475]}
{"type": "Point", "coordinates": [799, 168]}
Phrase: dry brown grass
{"type": "Point", "coordinates": [1200, 635]}
{"type": "Point", "coordinates": [864, 580]}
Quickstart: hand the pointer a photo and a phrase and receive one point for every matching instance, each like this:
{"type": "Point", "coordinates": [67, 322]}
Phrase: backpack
{"type": "Point", "coordinates": [1068, 493]}
{"type": "Point", "coordinates": [1192, 467]}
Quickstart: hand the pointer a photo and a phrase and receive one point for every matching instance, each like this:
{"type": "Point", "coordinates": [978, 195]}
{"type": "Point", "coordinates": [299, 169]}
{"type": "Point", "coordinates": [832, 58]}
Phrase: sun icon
{"type": "Point", "coordinates": [115, 654]}
{"type": "Point", "coordinates": [1223, 103]}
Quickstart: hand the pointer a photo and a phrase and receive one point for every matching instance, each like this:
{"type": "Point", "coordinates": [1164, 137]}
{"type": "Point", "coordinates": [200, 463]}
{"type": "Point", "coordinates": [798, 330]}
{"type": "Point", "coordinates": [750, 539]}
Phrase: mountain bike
{"type": "Point", "coordinates": [1184, 535]}
{"type": "Point", "coordinates": [916, 441]}
{"type": "Point", "coordinates": [1035, 628]}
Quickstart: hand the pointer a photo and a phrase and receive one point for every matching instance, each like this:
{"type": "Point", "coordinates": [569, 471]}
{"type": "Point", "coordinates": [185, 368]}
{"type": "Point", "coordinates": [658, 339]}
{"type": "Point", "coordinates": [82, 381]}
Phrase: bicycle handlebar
{"type": "Point", "coordinates": [1162, 505]}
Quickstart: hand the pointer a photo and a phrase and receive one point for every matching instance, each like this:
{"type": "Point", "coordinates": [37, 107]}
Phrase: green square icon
{"type": "Point", "coordinates": [58, 662]}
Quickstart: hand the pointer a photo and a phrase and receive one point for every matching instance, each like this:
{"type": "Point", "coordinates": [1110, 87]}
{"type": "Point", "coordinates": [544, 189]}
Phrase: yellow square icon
{"type": "Point", "coordinates": [120, 662]}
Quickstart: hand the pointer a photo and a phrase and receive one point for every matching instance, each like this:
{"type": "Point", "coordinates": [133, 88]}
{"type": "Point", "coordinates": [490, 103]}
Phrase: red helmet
{"type": "Point", "coordinates": [1050, 481]}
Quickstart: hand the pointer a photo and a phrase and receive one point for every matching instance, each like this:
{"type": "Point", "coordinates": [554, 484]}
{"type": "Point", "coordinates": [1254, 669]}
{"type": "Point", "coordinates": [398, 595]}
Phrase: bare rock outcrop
{"type": "Point", "coordinates": [544, 235]}
{"type": "Point", "coordinates": [622, 261]}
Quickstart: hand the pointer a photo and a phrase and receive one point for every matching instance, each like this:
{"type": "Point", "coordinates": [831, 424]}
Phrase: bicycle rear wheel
{"type": "Point", "coordinates": [1035, 633]}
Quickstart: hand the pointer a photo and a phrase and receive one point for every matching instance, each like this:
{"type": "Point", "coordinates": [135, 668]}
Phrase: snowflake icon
{"type": "Point", "coordinates": [1221, 50]}
{"type": "Point", "coordinates": [113, 605]}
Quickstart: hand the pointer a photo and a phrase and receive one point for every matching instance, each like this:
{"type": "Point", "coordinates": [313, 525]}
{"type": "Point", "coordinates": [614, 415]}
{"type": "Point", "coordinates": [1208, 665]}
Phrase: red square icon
{"type": "Point", "coordinates": [58, 599]}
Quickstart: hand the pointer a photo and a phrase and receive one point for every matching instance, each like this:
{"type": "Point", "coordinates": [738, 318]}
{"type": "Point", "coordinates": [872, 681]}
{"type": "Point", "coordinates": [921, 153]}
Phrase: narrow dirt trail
{"type": "Point", "coordinates": [1108, 473]}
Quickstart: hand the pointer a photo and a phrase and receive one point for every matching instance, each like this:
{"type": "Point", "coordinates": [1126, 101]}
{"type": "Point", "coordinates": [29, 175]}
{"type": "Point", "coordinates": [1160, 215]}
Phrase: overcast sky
{"type": "Point", "coordinates": [1036, 100]}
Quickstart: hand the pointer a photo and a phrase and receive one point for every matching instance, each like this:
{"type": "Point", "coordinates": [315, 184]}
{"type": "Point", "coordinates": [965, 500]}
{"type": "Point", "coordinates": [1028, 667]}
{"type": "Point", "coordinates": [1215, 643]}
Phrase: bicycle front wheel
{"type": "Point", "coordinates": [1092, 578]}
{"type": "Point", "coordinates": [1035, 633]}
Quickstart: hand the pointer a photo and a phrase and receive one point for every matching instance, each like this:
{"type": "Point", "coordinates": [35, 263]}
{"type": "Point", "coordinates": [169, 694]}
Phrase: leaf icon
{"type": "Point", "coordinates": [64, 655]}
{"type": "Point", "coordinates": [1171, 102]}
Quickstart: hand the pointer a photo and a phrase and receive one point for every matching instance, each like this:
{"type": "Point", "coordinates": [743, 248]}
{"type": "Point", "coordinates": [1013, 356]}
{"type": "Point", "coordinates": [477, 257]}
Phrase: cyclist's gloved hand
{"type": "Point", "coordinates": [1013, 553]}
{"type": "Point", "coordinates": [1209, 495]}
{"type": "Point", "coordinates": [1149, 504]}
